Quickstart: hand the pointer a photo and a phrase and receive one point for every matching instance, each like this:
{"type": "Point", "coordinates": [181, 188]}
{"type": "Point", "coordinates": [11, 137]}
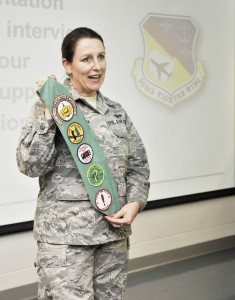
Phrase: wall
{"type": "Point", "coordinates": [154, 231]}
{"type": "Point", "coordinates": [201, 126]}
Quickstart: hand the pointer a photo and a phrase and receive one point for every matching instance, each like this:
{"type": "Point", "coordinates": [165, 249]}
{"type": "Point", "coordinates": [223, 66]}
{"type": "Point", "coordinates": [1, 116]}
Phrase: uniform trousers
{"type": "Point", "coordinates": [69, 272]}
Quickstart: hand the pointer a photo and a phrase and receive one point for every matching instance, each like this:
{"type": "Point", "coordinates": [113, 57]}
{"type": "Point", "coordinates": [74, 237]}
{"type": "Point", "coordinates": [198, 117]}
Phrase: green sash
{"type": "Point", "coordinates": [84, 147]}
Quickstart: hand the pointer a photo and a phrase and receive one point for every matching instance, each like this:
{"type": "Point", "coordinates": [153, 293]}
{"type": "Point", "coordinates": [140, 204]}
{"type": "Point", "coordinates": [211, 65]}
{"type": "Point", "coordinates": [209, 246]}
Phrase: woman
{"type": "Point", "coordinates": [83, 254]}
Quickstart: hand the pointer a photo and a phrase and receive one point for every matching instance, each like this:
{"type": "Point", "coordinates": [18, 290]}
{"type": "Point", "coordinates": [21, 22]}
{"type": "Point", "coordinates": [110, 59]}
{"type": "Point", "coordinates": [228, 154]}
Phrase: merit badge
{"type": "Point", "coordinates": [75, 133]}
{"type": "Point", "coordinates": [103, 199]}
{"type": "Point", "coordinates": [95, 175]}
{"type": "Point", "coordinates": [85, 153]}
{"type": "Point", "coordinates": [64, 108]}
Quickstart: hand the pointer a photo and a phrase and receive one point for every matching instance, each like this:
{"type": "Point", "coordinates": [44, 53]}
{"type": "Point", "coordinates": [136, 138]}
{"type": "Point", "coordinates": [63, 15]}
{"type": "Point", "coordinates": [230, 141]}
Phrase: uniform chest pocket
{"type": "Point", "coordinates": [121, 138]}
{"type": "Point", "coordinates": [121, 151]}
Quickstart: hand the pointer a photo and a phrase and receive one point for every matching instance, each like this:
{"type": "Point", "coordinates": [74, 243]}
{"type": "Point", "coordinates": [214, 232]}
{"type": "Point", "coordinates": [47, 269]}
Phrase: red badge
{"type": "Point", "coordinates": [103, 199]}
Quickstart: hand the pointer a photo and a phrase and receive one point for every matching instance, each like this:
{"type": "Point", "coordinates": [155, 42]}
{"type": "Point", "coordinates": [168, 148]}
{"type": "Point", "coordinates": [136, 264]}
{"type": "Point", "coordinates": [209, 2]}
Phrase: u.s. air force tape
{"type": "Point", "coordinates": [83, 145]}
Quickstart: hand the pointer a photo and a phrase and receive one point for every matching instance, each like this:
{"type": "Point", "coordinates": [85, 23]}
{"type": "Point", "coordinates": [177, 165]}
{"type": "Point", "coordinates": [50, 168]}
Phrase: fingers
{"type": "Point", "coordinates": [53, 76]}
{"type": "Point", "coordinates": [118, 215]}
{"type": "Point", "coordinates": [41, 81]}
{"type": "Point", "coordinates": [47, 114]}
{"type": "Point", "coordinates": [117, 220]}
{"type": "Point", "coordinates": [125, 216]}
{"type": "Point", "coordinates": [115, 223]}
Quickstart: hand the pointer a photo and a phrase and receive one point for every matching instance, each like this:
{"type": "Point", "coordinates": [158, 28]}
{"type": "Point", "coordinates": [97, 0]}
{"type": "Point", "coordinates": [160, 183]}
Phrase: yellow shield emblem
{"type": "Point", "coordinates": [168, 71]}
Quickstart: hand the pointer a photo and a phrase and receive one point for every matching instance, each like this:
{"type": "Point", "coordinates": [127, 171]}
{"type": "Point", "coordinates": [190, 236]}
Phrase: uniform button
{"type": "Point", "coordinates": [42, 127]}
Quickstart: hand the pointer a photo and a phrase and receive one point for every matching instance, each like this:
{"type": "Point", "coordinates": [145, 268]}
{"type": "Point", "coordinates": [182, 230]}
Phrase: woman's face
{"type": "Point", "coordinates": [87, 70]}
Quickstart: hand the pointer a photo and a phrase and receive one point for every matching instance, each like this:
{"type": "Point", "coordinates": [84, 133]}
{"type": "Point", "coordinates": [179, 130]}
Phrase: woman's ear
{"type": "Point", "coordinates": [66, 66]}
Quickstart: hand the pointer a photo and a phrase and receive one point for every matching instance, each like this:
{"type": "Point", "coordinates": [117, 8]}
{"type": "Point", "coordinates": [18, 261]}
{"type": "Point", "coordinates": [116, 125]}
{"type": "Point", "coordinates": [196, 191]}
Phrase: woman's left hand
{"type": "Point", "coordinates": [125, 216]}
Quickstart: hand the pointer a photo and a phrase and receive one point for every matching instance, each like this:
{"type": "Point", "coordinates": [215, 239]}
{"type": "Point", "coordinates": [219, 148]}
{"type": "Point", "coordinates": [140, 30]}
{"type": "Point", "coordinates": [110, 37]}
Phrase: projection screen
{"type": "Point", "coordinates": [170, 64]}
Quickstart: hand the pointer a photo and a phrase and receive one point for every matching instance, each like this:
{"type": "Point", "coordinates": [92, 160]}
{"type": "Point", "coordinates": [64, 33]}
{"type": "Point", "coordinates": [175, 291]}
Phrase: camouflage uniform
{"type": "Point", "coordinates": [63, 214]}
{"type": "Point", "coordinates": [66, 271]}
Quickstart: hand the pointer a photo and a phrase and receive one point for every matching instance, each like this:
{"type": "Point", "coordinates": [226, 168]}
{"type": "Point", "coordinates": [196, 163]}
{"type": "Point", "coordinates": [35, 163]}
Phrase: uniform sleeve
{"type": "Point", "coordinates": [138, 168]}
{"type": "Point", "coordinates": [36, 151]}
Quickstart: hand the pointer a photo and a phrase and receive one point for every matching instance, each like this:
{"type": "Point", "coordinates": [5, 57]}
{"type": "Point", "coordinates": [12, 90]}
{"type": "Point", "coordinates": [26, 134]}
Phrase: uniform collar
{"type": "Point", "coordinates": [102, 105]}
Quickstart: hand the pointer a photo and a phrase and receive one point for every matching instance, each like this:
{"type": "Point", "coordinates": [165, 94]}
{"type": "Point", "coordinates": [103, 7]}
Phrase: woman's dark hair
{"type": "Point", "coordinates": [71, 39]}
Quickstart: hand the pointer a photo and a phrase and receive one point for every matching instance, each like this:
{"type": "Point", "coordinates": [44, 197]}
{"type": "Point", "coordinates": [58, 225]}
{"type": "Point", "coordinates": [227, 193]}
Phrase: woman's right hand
{"type": "Point", "coordinates": [39, 83]}
{"type": "Point", "coordinates": [47, 114]}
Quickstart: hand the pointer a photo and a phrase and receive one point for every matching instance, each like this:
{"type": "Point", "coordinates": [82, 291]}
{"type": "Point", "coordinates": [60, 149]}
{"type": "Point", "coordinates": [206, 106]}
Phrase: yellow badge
{"type": "Point", "coordinates": [64, 109]}
{"type": "Point", "coordinates": [75, 133]}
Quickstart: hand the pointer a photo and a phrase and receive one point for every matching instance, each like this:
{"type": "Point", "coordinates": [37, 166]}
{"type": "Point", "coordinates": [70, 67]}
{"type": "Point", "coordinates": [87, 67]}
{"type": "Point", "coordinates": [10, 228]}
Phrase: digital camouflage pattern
{"type": "Point", "coordinates": [63, 214]}
{"type": "Point", "coordinates": [65, 271]}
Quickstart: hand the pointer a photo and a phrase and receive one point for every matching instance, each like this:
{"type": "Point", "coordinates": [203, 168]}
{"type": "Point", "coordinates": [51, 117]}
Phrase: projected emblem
{"type": "Point", "coordinates": [168, 72]}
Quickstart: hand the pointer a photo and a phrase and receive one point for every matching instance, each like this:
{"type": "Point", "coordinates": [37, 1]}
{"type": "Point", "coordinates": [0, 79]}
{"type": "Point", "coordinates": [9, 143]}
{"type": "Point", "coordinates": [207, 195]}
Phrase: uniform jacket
{"type": "Point", "coordinates": [64, 214]}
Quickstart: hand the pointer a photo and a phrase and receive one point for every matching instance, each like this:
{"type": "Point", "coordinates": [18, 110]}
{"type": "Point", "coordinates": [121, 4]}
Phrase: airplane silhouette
{"type": "Point", "coordinates": [161, 69]}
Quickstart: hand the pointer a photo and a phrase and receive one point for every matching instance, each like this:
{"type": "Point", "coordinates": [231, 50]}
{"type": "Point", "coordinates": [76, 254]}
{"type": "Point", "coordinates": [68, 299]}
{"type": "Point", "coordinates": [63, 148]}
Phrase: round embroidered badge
{"type": "Point", "coordinates": [95, 175]}
{"type": "Point", "coordinates": [75, 133]}
{"type": "Point", "coordinates": [103, 199]}
{"type": "Point", "coordinates": [64, 108]}
{"type": "Point", "coordinates": [85, 153]}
